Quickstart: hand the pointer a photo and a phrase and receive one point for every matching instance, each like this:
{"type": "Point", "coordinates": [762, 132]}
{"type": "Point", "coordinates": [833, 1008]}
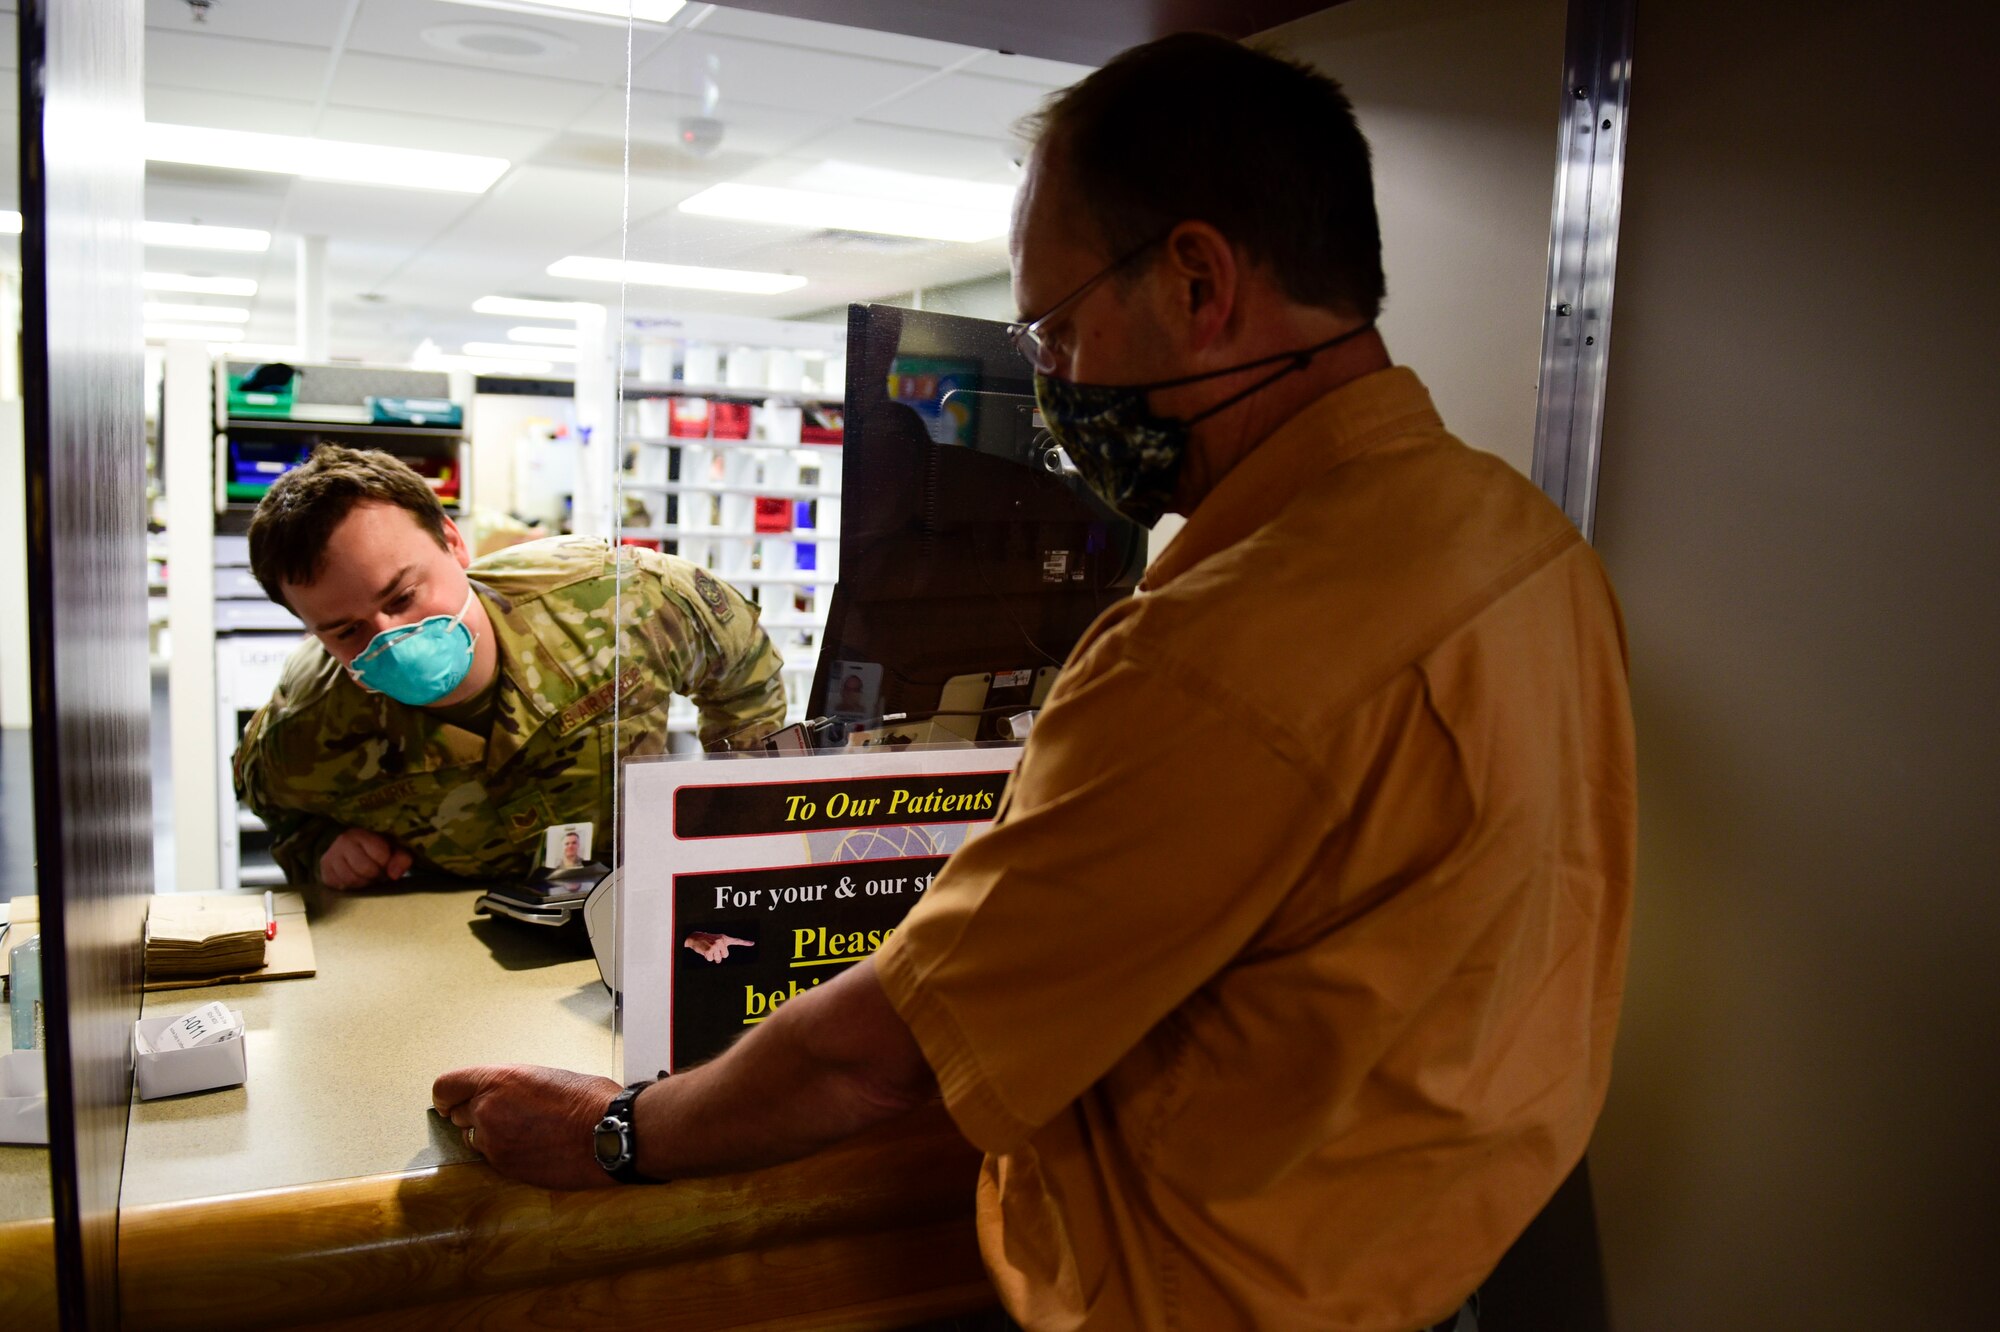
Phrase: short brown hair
{"type": "Point", "coordinates": [289, 531]}
{"type": "Point", "coordinates": [1264, 149]}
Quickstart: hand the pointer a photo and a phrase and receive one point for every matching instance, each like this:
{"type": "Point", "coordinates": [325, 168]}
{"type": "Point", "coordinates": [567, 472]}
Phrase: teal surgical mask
{"type": "Point", "coordinates": [419, 663]}
{"type": "Point", "coordinates": [1129, 456]}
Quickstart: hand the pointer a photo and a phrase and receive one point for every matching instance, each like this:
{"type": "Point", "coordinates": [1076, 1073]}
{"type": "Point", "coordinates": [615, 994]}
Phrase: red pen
{"type": "Point", "coordinates": [270, 917]}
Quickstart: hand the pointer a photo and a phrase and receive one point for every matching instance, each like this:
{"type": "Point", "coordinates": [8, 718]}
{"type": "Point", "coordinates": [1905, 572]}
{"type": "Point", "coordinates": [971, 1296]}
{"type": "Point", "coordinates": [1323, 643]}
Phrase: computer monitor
{"type": "Point", "coordinates": [972, 557]}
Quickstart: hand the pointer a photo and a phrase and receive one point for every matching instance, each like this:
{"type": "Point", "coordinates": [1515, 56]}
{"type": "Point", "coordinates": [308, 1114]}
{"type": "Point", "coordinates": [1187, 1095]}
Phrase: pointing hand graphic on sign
{"type": "Point", "coordinates": [714, 947]}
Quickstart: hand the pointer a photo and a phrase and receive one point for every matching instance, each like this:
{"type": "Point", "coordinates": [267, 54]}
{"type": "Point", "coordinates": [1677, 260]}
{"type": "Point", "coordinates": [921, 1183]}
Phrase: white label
{"type": "Point", "coordinates": [205, 1026]}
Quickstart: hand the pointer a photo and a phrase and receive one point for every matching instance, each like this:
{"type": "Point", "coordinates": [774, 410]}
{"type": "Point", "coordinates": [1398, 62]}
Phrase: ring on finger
{"type": "Point", "coordinates": [468, 1139]}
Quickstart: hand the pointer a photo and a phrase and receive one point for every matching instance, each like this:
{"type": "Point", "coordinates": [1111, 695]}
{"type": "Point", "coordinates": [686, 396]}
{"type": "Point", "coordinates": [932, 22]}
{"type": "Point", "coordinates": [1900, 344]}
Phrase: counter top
{"type": "Point", "coordinates": [324, 1192]}
{"type": "Point", "coordinates": [27, 1231]}
{"type": "Point", "coordinates": [341, 1063]}
{"type": "Point", "coordinates": [24, 1183]}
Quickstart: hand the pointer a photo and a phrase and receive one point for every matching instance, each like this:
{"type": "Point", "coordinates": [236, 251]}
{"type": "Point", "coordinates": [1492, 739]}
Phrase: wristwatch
{"type": "Point", "coordinates": [613, 1142]}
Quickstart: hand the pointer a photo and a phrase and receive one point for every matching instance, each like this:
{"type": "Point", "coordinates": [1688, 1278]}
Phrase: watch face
{"type": "Point", "coordinates": [609, 1145]}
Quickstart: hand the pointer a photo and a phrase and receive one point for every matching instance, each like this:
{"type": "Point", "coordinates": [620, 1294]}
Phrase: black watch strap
{"type": "Point", "coordinates": [615, 1141]}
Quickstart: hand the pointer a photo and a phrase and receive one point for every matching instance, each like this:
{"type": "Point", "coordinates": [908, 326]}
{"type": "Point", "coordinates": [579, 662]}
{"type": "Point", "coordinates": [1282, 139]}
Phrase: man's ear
{"type": "Point", "coordinates": [455, 543]}
{"type": "Point", "coordinates": [1202, 264]}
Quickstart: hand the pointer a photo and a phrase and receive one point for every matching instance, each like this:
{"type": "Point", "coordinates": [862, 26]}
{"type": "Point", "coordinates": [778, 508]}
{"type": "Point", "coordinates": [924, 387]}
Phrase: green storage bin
{"type": "Point", "coordinates": [277, 403]}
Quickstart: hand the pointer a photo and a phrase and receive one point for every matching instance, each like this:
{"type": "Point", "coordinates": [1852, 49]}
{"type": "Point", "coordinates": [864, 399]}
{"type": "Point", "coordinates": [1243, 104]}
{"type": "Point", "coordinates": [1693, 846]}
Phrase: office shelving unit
{"type": "Point", "coordinates": [761, 512]}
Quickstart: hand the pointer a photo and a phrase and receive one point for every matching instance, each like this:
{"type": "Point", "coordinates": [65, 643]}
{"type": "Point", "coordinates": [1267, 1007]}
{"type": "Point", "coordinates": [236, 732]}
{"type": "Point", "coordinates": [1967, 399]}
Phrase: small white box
{"type": "Point", "coordinates": [175, 1072]}
{"type": "Point", "coordinates": [24, 1099]}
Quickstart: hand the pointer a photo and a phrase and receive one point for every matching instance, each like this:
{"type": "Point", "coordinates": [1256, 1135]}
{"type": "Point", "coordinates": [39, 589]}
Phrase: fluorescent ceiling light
{"type": "Point", "coordinates": [844, 197]}
{"type": "Point", "coordinates": [642, 11]}
{"type": "Point", "coordinates": [554, 337]}
{"type": "Point", "coordinates": [193, 332]}
{"type": "Point", "coordinates": [674, 275]}
{"type": "Point", "coordinates": [430, 356]}
{"type": "Point", "coordinates": [504, 350]}
{"type": "Point", "coordinates": [543, 335]}
{"type": "Point", "coordinates": [191, 236]}
{"type": "Point", "coordinates": [488, 365]}
{"type": "Point", "coordinates": [523, 308]}
{"type": "Point", "coordinates": [323, 159]}
{"type": "Point", "coordinates": [194, 285]}
{"type": "Point", "coordinates": [162, 312]}
{"type": "Point", "coordinates": [10, 223]}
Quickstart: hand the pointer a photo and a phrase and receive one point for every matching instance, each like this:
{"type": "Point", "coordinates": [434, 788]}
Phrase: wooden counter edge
{"type": "Point", "coordinates": [349, 1248]}
{"type": "Point", "coordinates": [28, 1273]}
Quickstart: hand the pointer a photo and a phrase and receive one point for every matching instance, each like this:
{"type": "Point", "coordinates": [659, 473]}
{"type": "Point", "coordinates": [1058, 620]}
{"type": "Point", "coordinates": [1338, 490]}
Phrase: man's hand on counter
{"type": "Point", "coordinates": [532, 1124]}
{"type": "Point", "coordinates": [831, 1063]}
{"type": "Point", "coordinates": [359, 858]}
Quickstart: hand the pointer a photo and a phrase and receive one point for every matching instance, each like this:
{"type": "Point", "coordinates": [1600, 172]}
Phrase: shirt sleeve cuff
{"type": "Point", "coordinates": [969, 1097]}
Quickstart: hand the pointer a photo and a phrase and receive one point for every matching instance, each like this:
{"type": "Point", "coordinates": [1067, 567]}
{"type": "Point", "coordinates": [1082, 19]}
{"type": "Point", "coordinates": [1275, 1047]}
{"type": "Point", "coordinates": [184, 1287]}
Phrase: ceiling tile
{"type": "Point", "coordinates": [811, 36]}
{"type": "Point", "coordinates": [354, 124]}
{"type": "Point", "coordinates": [304, 22]}
{"type": "Point", "coordinates": [382, 83]}
{"type": "Point", "coordinates": [256, 203]}
{"type": "Point", "coordinates": [928, 152]}
{"type": "Point", "coordinates": [789, 92]}
{"type": "Point", "coordinates": [362, 214]}
{"type": "Point", "coordinates": [760, 72]}
{"type": "Point", "coordinates": [673, 237]}
{"type": "Point", "coordinates": [964, 103]}
{"type": "Point", "coordinates": [1028, 69]}
{"type": "Point", "coordinates": [225, 110]}
{"type": "Point", "coordinates": [585, 52]}
{"type": "Point", "coordinates": [535, 216]}
{"type": "Point", "coordinates": [748, 126]}
{"type": "Point", "coordinates": [226, 64]}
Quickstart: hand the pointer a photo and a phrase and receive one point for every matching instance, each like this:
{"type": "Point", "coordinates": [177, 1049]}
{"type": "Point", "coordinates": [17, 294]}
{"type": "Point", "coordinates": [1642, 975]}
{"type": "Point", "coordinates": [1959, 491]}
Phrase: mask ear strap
{"type": "Point", "coordinates": [1293, 360]}
{"type": "Point", "coordinates": [466, 609]}
{"type": "Point", "coordinates": [1293, 366]}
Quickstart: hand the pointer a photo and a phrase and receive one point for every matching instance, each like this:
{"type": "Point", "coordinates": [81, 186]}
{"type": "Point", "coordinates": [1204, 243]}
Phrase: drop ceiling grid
{"type": "Point", "coordinates": [790, 89]}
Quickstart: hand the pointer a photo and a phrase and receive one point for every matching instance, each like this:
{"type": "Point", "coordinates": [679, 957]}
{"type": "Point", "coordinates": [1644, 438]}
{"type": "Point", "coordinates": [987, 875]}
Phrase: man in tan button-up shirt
{"type": "Point", "coordinates": [1282, 992]}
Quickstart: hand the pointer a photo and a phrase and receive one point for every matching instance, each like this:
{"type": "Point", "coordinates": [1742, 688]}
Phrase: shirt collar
{"type": "Point", "coordinates": [1326, 432]}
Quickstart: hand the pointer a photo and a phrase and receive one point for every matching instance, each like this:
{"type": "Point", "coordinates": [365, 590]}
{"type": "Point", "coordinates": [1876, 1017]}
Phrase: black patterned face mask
{"type": "Point", "coordinates": [1129, 456]}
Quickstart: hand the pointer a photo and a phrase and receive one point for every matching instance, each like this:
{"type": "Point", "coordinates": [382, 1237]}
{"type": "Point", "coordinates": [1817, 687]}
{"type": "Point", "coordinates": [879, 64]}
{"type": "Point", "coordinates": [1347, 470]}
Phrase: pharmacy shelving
{"type": "Point", "coordinates": [761, 512]}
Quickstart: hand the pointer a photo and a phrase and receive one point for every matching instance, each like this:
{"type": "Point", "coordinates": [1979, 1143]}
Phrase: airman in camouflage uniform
{"type": "Point", "coordinates": [591, 647]}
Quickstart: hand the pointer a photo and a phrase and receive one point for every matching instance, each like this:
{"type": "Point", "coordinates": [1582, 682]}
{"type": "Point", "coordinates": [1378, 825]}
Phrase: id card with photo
{"type": "Point", "coordinates": [567, 846]}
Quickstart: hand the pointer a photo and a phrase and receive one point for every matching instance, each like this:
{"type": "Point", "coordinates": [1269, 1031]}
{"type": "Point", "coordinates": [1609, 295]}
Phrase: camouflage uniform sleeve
{"type": "Point", "coordinates": [737, 676]}
{"type": "Point", "coordinates": [298, 839]}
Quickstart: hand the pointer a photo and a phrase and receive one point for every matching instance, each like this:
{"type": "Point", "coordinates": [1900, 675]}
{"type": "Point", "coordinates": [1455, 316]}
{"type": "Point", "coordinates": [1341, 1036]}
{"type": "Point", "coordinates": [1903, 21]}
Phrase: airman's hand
{"type": "Point", "coordinates": [359, 858]}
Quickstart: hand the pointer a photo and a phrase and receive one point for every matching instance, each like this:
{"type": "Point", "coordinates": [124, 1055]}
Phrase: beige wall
{"type": "Point", "coordinates": [1800, 504]}
{"type": "Point", "coordinates": [1459, 100]}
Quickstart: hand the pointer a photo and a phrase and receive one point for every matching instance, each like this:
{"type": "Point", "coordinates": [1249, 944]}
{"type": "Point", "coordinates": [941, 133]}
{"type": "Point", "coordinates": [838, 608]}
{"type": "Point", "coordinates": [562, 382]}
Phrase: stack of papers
{"type": "Point", "coordinates": [204, 934]}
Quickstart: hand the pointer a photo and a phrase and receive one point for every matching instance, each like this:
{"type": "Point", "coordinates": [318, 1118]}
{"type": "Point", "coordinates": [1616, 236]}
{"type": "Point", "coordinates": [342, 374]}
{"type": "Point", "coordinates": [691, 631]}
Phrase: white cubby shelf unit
{"type": "Point", "coordinates": [700, 495]}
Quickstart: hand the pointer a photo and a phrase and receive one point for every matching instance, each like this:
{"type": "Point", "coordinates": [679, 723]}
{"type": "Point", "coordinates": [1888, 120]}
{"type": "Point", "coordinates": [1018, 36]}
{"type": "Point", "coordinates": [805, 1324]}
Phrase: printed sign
{"type": "Point", "coordinates": [747, 883]}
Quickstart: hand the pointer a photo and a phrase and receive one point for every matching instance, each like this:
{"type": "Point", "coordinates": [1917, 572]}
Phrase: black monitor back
{"type": "Point", "coordinates": [969, 547]}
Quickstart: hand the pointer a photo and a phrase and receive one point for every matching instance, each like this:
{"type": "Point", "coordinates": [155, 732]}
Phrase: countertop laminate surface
{"type": "Point", "coordinates": [24, 1183]}
{"type": "Point", "coordinates": [409, 985]}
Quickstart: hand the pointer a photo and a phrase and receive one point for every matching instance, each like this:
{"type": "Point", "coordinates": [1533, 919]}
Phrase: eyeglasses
{"type": "Point", "coordinates": [1032, 339]}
